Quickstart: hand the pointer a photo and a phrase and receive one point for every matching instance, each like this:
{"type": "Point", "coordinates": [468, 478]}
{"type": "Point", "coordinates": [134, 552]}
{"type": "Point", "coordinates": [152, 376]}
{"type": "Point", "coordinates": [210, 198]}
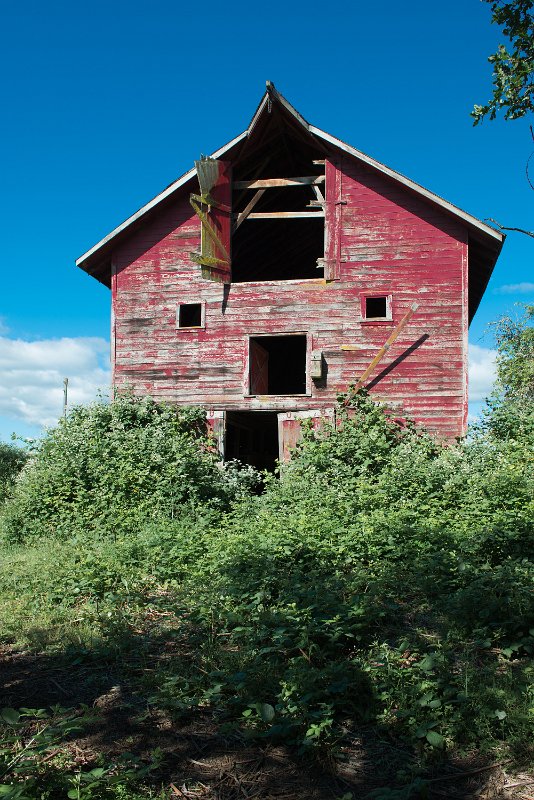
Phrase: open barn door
{"type": "Point", "coordinates": [217, 425]}
{"type": "Point", "coordinates": [214, 208]}
{"type": "Point", "coordinates": [259, 368]}
{"type": "Point", "coordinates": [290, 428]}
{"type": "Point", "coordinates": [332, 210]}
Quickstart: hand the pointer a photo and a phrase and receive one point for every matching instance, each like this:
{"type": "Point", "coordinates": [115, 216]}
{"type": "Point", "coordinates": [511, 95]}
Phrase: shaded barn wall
{"type": "Point", "coordinates": [391, 242]}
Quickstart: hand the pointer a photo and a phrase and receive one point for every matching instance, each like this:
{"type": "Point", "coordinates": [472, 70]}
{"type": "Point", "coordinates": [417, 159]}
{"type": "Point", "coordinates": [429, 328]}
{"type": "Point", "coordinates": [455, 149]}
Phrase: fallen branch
{"type": "Point", "coordinates": [467, 774]}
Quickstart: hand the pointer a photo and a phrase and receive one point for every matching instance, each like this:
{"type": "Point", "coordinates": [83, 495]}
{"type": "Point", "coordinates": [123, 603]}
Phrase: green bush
{"type": "Point", "coordinates": [111, 467]}
{"type": "Point", "coordinates": [375, 579]}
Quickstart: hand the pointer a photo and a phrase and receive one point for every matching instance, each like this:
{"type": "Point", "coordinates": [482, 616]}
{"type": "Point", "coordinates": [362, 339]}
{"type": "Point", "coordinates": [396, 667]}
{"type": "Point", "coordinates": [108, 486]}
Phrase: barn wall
{"type": "Point", "coordinates": [391, 243]}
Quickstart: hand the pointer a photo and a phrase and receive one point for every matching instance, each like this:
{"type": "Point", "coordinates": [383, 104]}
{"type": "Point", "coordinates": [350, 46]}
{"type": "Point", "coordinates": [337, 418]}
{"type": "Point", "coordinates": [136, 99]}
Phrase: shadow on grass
{"type": "Point", "coordinates": [201, 754]}
{"type": "Point", "coordinates": [197, 754]}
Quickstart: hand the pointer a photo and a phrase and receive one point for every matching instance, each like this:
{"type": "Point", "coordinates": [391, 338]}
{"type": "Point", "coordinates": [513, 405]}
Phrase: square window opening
{"type": "Point", "coordinates": [190, 315]}
{"type": "Point", "coordinates": [376, 308]}
{"type": "Point", "coordinates": [252, 438]}
{"type": "Point", "coordinates": [277, 365]}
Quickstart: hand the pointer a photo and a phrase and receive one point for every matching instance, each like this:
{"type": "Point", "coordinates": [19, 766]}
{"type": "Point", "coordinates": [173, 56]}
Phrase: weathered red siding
{"type": "Point", "coordinates": [390, 242]}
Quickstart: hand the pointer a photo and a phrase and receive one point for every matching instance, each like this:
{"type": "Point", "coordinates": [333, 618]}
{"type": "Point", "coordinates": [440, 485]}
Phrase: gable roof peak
{"type": "Point", "coordinates": [96, 261]}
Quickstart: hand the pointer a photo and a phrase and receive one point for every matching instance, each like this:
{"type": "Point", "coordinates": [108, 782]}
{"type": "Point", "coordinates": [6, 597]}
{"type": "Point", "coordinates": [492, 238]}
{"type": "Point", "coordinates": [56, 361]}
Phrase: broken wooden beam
{"type": "Point", "coordinates": [206, 226]}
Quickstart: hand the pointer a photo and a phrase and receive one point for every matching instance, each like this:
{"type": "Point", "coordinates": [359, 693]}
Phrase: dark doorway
{"type": "Point", "coordinates": [252, 438]}
{"type": "Point", "coordinates": [277, 365]}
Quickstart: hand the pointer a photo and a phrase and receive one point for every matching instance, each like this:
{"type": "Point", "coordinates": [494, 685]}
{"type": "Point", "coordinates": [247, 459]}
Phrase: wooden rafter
{"type": "Point", "coordinates": [272, 183]}
{"type": "Point", "coordinates": [285, 214]}
{"type": "Point", "coordinates": [318, 193]}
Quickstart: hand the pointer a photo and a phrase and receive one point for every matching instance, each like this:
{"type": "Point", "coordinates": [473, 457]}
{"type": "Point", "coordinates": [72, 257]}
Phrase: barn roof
{"type": "Point", "coordinates": [485, 241]}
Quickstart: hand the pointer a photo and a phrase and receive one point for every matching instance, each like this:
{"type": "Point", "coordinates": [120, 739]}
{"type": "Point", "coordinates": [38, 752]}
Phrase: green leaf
{"type": "Point", "coordinates": [500, 714]}
{"type": "Point", "coordinates": [435, 739]}
{"type": "Point", "coordinates": [72, 794]}
{"type": "Point", "coordinates": [10, 716]}
{"type": "Point", "coordinates": [427, 664]}
{"type": "Point", "coordinates": [97, 772]}
{"type": "Point", "coordinates": [267, 712]}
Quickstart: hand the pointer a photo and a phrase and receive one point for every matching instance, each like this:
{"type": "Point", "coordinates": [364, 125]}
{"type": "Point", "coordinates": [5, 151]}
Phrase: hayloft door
{"type": "Point", "coordinates": [259, 368]}
{"type": "Point", "coordinates": [214, 208]}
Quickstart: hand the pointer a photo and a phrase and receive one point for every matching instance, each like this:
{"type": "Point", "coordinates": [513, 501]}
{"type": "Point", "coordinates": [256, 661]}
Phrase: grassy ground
{"type": "Point", "coordinates": [110, 663]}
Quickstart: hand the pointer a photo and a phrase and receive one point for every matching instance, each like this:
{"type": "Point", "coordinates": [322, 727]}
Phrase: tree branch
{"type": "Point", "coordinates": [528, 161]}
{"type": "Point", "coordinates": [506, 228]}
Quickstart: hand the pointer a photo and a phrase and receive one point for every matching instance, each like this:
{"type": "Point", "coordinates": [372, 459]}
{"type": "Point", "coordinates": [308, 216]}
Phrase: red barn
{"type": "Point", "coordinates": [264, 281]}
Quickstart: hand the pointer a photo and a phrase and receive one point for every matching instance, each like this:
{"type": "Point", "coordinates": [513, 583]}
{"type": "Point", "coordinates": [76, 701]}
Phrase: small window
{"type": "Point", "coordinates": [190, 315]}
{"type": "Point", "coordinates": [376, 307]}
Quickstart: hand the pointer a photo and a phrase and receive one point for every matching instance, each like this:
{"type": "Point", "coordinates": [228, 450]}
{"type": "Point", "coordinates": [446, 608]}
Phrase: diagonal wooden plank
{"type": "Point", "coordinates": [248, 208]}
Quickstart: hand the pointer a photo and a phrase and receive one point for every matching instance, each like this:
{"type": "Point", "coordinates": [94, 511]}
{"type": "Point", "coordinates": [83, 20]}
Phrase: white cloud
{"type": "Point", "coordinates": [32, 373]}
{"type": "Point", "coordinates": [515, 288]}
{"type": "Point", "coordinates": [482, 372]}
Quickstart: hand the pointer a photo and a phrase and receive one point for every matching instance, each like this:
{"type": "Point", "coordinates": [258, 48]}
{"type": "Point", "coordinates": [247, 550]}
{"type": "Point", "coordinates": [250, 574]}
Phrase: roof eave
{"type": "Point", "coordinates": [485, 229]}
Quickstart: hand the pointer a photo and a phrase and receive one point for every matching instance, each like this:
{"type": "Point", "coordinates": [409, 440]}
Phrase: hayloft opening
{"type": "Point", "coordinates": [277, 365]}
{"type": "Point", "coordinates": [279, 229]}
{"type": "Point", "coordinates": [252, 438]}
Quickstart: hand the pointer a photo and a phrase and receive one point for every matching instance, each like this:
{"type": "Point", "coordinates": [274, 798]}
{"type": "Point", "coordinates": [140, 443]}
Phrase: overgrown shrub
{"type": "Point", "coordinates": [111, 467]}
{"type": "Point", "coordinates": [378, 543]}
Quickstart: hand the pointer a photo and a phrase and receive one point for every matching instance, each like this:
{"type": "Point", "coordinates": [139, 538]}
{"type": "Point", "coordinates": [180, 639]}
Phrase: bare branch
{"type": "Point", "coordinates": [528, 161]}
{"type": "Point", "coordinates": [506, 228]}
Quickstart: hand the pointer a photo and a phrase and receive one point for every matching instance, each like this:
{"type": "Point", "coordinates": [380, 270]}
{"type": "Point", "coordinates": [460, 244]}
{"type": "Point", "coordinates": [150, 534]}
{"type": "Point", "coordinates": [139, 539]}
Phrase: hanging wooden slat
{"type": "Point", "coordinates": [207, 228]}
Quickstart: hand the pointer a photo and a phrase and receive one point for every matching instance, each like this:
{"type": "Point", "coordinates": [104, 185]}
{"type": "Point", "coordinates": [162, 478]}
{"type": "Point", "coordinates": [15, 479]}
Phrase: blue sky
{"type": "Point", "coordinates": [104, 104]}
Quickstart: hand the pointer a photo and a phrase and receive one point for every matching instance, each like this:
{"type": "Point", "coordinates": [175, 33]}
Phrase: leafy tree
{"type": "Point", "coordinates": [12, 459]}
{"type": "Point", "coordinates": [515, 362]}
{"type": "Point", "coordinates": [510, 413]}
{"type": "Point", "coordinates": [513, 65]}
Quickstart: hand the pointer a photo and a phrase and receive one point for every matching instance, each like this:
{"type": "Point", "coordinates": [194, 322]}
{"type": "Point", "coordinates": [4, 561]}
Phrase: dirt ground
{"type": "Point", "coordinates": [198, 761]}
